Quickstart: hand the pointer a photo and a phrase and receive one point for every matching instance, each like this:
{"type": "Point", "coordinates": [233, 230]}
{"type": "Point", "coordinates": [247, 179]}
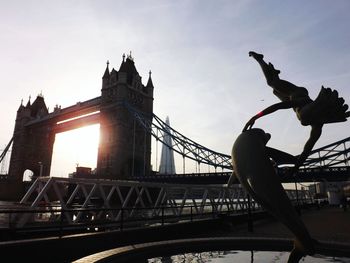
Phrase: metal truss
{"type": "Point", "coordinates": [335, 154]}
{"type": "Point", "coordinates": [180, 143]}
{"type": "Point", "coordinates": [127, 200]}
{"type": "Point", "coordinates": [303, 196]}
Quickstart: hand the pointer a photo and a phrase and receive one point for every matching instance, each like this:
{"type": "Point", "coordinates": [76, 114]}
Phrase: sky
{"type": "Point", "coordinates": [197, 51]}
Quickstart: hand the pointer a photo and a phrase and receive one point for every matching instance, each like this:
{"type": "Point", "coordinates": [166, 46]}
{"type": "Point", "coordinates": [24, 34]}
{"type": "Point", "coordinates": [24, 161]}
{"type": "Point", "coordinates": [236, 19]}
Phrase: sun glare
{"type": "Point", "coordinates": [75, 148]}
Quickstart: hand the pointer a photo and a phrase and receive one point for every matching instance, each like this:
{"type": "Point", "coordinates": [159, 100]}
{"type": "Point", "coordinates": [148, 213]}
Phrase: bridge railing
{"type": "Point", "coordinates": [51, 218]}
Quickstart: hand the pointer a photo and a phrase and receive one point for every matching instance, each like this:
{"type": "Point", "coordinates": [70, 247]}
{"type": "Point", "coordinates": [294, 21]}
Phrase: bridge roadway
{"type": "Point", "coordinates": [328, 225]}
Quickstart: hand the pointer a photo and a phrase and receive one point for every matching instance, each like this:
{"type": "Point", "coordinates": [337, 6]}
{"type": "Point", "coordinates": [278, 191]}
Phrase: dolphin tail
{"type": "Point", "coordinates": [299, 251]}
{"type": "Point", "coordinates": [295, 255]}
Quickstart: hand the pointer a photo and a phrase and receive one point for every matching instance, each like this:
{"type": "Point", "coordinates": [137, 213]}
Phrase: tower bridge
{"type": "Point", "coordinates": [125, 192]}
{"type": "Point", "coordinates": [127, 122]}
{"type": "Point", "coordinates": [124, 147]}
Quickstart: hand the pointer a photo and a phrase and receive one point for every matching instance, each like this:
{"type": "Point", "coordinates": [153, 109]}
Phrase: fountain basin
{"type": "Point", "coordinates": [145, 251]}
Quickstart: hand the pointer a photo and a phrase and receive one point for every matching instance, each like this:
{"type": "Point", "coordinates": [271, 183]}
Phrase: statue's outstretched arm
{"type": "Point", "coordinates": [268, 110]}
{"type": "Point", "coordinates": [316, 131]}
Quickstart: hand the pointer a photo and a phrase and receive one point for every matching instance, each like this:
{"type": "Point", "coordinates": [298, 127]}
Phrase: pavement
{"type": "Point", "coordinates": [327, 224]}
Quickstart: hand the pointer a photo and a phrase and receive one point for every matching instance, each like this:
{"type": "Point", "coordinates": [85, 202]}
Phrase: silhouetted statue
{"type": "Point", "coordinates": [328, 107]}
{"type": "Point", "coordinates": [251, 161]}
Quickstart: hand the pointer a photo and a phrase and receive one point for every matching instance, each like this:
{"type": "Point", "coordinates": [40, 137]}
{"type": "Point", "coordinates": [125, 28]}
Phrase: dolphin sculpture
{"type": "Point", "coordinates": [255, 171]}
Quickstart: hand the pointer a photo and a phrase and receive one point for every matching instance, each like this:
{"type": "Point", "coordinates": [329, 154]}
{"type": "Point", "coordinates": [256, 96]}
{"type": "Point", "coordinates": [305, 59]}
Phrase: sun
{"type": "Point", "coordinates": [75, 148]}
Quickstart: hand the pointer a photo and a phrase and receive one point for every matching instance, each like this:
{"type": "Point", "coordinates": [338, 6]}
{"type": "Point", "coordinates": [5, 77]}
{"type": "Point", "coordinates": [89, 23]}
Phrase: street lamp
{"type": "Point", "coordinates": [41, 169]}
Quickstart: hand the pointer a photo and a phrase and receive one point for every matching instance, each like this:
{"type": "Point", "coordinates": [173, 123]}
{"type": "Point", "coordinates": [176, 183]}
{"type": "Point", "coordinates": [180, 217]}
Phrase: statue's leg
{"type": "Point", "coordinates": [268, 69]}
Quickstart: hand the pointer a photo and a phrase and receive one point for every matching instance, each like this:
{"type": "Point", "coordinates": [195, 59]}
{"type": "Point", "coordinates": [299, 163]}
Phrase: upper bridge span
{"type": "Point", "coordinates": [74, 111]}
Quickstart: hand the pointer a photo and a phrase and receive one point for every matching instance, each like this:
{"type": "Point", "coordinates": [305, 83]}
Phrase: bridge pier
{"type": "Point", "coordinates": [11, 190]}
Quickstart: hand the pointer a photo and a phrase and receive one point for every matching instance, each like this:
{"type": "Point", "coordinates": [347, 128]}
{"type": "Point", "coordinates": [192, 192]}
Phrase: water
{"type": "Point", "coordinates": [242, 257]}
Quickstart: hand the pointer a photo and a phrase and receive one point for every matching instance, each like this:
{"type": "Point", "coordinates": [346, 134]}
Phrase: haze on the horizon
{"type": "Point", "coordinates": [197, 51]}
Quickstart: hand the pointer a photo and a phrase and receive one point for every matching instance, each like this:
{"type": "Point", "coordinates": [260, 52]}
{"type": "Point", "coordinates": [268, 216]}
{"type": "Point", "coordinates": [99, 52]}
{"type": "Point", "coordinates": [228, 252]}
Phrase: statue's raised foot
{"type": "Point", "coordinates": [256, 55]}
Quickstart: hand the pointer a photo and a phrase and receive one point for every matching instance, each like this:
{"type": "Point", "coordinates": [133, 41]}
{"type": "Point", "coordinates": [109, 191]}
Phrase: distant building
{"type": "Point", "coordinates": [332, 191]}
{"type": "Point", "coordinates": [167, 162]}
{"type": "Point", "coordinates": [346, 189]}
{"type": "Point", "coordinates": [82, 172]}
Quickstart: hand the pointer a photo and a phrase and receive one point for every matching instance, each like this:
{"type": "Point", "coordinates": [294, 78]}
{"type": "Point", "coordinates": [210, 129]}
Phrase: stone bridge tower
{"type": "Point", "coordinates": [124, 148]}
{"type": "Point", "coordinates": [32, 145]}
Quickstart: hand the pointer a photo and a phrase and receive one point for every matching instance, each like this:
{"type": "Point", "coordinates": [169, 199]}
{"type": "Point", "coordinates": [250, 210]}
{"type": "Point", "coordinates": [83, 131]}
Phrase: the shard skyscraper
{"type": "Point", "coordinates": [167, 163]}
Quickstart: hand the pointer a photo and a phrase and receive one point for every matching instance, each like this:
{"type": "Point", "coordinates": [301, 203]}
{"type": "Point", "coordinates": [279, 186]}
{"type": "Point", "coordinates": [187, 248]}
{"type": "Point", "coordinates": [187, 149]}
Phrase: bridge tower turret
{"type": "Point", "coordinates": [106, 77]}
{"type": "Point", "coordinates": [149, 87]}
{"type": "Point", "coordinates": [124, 148]}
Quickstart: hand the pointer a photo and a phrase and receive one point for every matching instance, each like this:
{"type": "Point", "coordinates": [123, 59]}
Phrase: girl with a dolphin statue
{"type": "Point", "coordinates": [251, 158]}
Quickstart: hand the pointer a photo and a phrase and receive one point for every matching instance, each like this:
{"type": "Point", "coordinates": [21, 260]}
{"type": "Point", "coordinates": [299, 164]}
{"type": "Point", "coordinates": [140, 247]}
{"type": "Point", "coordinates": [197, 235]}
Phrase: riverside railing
{"type": "Point", "coordinates": [109, 194]}
{"type": "Point", "coordinates": [67, 200]}
{"type": "Point", "coordinates": [52, 219]}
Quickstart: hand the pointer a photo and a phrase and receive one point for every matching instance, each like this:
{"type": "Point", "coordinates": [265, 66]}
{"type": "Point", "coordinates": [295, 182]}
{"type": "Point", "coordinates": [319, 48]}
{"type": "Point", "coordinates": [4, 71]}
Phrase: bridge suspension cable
{"type": "Point", "coordinates": [331, 155]}
{"type": "Point", "coordinates": [180, 143]}
{"type": "Point", "coordinates": [3, 154]}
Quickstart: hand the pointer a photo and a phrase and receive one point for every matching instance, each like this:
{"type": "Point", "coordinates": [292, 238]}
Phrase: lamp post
{"type": "Point", "coordinates": [41, 169]}
{"type": "Point", "coordinates": [297, 195]}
